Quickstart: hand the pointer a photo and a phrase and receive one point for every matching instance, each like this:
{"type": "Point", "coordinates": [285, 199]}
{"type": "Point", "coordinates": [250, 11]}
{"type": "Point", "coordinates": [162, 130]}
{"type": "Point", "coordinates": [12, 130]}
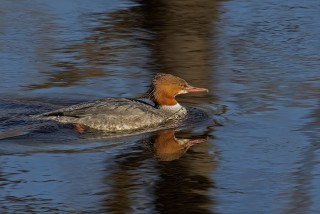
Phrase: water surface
{"type": "Point", "coordinates": [260, 59]}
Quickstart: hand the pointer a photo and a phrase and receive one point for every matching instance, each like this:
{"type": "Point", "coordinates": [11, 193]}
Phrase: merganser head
{"type": "Point", "coordinates": [165, 87]}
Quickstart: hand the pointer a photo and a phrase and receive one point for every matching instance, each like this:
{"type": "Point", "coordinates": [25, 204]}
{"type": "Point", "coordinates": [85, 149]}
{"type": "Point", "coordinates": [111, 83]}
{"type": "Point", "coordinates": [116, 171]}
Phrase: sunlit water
{"type": "Point", "coordinates": [260, 59]}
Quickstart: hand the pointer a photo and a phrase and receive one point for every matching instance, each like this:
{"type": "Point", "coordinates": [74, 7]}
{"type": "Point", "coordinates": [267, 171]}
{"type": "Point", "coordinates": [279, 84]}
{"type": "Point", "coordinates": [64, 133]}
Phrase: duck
{"type": "Point", "coordinates": [157, 107]}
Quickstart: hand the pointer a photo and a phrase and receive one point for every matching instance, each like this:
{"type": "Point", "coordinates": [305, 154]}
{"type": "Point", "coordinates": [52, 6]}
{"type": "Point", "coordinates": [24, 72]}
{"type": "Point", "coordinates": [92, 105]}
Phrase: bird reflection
{"type": "Point", "coordinates": [156, 171]}
{"type": "Point", "coordinates": [167, 147]}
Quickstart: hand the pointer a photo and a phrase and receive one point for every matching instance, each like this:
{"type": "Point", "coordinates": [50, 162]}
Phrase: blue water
{"type": "Point", "coordinates": [260, 59]}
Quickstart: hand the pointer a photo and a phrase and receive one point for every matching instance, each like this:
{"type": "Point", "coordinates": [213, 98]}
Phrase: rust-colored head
{"type": "Point", "coordinates": [165, 87]}
{"type": "Point", "coordinates": [167, 147]}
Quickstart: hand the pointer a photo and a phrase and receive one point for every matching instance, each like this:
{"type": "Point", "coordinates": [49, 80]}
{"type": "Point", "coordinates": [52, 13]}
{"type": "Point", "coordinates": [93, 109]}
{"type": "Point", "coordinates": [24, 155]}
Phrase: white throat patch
{"type": "Point", "coordinates": [175, 111]}
{"type": "Point", "coordinates": [172, 108]}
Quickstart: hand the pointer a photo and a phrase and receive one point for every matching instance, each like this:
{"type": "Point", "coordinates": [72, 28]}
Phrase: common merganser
{"type": "Point", "coordinates": [123, 114]}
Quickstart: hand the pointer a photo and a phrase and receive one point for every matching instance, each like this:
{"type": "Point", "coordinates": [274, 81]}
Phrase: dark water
{"type": "Point", "coordinates": [260, 58]}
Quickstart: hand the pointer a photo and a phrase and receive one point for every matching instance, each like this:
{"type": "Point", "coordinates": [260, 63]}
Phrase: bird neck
{"type": "Point", "coordinates": [172, 108]}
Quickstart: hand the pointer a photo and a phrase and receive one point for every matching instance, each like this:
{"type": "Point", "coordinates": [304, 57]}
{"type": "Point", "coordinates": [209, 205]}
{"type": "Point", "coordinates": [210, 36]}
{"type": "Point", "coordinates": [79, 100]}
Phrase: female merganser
{"type": "Point", "coordinates": [122, 114]}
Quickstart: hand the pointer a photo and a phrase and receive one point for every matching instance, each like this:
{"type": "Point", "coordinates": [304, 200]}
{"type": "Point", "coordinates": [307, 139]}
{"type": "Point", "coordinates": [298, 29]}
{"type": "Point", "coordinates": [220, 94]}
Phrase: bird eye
{"type": "Point", "coordinates": [182, 85]}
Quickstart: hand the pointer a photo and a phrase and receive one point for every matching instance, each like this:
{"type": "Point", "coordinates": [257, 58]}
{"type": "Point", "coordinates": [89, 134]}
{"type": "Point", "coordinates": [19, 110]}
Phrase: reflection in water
{"type": "Point", "coordinates": [180, 43]}
{"type": "Point", "coordinates": [122, 48]}
{"type": "Point", "coordinates": [133, 177]}
{"type": "Point", "coordinates": [166, 147]}
{"type": "Point", "coordinates": [136, 182]}
{"type": "Point", "coordinates": [106, 51]}
{"type": "Point", "coordinates": [180, 190]}
{"type": "Point", "coordinates": [262, 60]}
{"type": "Point", "coordinates": [301, 197]}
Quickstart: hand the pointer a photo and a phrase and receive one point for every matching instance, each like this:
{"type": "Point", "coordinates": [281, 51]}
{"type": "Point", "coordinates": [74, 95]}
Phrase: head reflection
{"type": "Point", "coordinates": [165, 146]}
{"type": "Point", "coordinates": [149, 175]}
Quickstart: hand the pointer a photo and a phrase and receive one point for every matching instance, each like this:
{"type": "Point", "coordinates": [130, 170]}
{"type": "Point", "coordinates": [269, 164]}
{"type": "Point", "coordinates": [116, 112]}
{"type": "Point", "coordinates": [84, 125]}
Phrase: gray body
{"type": "Point", "coordinates": [113, 114]}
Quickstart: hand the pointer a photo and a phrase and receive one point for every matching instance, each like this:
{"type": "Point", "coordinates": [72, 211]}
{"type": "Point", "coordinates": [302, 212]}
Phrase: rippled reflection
{"type": "Point", "coordinates": [178, 44]}
{"type": "Point", "coordinates": [300, 197]}
{"type": "Point", "coordinates": [259, 59]}
{"type": "Point", "coordinates": [163, 184]}
{"type": "Point", "coordinates": [166, 147]}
